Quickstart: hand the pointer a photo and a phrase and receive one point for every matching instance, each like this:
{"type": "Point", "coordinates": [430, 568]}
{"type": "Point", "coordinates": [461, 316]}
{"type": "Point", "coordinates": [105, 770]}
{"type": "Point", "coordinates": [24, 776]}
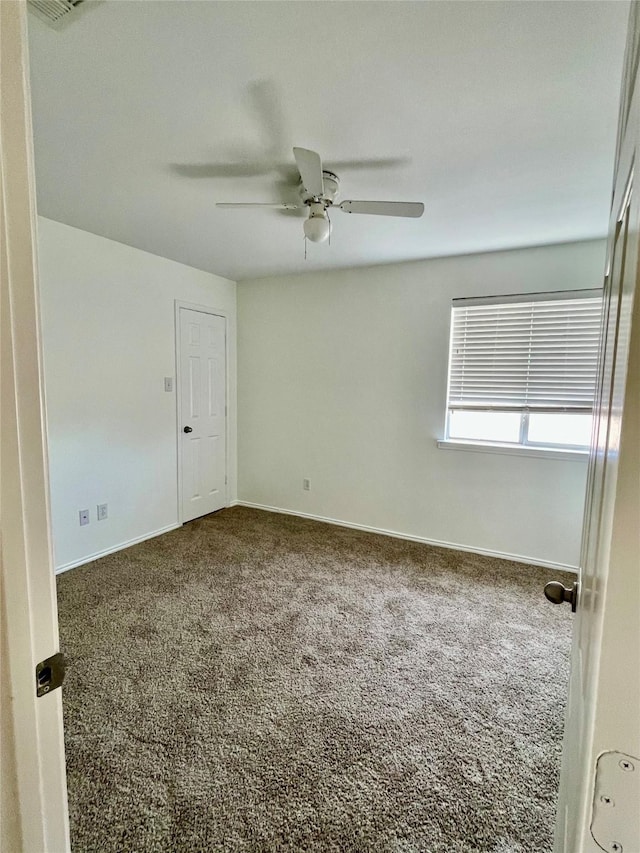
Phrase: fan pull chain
{"type": "Point", "coordinates": [305, 247]}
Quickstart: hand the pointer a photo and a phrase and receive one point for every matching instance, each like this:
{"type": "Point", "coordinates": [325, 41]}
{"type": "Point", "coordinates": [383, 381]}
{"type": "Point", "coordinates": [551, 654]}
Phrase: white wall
{"type": "Point", "coordinates": [342, 379]}
{"type": "Point", "coordinates": [109, 341]}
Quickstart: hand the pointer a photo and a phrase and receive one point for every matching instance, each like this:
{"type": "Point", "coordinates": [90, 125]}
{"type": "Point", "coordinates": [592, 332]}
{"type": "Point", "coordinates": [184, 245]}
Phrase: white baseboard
{"type": "Point", "coordinates": [517, 558]}
{"type": "Point", "coordinates": [91, 557]}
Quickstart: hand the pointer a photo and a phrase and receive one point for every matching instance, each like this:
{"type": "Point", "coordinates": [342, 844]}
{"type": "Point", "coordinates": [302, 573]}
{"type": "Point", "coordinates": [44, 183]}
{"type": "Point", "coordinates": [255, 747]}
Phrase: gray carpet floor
{"type": "Point", "coordinates": [259, 682]}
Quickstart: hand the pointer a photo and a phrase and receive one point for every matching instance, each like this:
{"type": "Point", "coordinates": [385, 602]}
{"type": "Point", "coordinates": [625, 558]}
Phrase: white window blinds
{"type": "Point", "coordinates": [540, 354]}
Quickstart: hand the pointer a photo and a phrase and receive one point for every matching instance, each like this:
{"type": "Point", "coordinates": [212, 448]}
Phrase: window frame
{"type": "Point", "coordinates": [524, 445]}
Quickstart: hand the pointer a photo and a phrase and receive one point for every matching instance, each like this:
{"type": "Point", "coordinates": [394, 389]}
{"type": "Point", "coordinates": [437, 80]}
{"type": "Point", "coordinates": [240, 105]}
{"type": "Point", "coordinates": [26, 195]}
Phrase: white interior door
{"type": "Point", "coordinates": [203, 409]}
{"type": "Point", "coordinates": [604, 697]}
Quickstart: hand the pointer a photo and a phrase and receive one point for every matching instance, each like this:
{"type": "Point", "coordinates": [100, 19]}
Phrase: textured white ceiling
{"type": "Point", "coordinates": [499, 116]}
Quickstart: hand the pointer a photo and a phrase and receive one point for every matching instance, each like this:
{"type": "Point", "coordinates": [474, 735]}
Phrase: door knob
{"type": "Point", "coordinates": [187, 429]}
{"type": "Point", "coordinates": [558, 594]}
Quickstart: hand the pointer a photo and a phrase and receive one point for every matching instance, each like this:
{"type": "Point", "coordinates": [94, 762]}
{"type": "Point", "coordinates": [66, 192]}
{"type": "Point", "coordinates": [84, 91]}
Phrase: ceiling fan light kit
{"type": "Point", "coordinates": [318, 191]}
{"type": "Point", "coordinates": [317, 227]}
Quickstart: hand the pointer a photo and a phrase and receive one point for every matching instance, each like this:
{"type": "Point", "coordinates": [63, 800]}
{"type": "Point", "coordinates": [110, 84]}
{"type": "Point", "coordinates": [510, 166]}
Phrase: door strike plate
{"type": "Point", "coordinates": [615, 817]}
{"type": "Point", "coordinates": [50, 674]}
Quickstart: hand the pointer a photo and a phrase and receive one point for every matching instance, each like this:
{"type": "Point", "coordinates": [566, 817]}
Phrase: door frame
{"type": "Point", "coordinates": [592, 726]}
{"type": "Point", "coordinates": [217, 312]}
{"type": "Point", "coordinates": [34, 777]}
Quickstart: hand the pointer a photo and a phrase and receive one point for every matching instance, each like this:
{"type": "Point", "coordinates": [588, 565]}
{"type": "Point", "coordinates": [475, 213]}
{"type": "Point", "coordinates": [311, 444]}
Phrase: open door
{"type": "Point", "coordinates": [34, 792]}
{"type": "Point", "coordinates": [600, 779]}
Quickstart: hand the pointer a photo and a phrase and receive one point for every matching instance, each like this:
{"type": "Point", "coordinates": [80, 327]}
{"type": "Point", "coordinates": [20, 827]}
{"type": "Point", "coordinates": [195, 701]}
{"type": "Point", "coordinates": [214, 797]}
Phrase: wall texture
{"type": "Point", "coordinates": [342, 380]}
{"type": "Point", "coordinates": [109, 340]}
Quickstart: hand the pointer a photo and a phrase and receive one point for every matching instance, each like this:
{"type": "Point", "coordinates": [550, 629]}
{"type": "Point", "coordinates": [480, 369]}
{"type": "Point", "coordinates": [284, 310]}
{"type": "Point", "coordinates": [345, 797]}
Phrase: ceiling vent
{"type": "Point", "coordinates": [53, 12]}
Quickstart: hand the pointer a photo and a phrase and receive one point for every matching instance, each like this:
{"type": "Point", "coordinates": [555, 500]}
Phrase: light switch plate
{"type": "Point", "coordinates": [168, 383]}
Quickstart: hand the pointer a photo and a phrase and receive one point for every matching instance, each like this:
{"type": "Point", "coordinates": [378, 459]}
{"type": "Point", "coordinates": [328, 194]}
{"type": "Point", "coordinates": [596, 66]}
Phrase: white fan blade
{"type": "Point", "coordinates": [384, 208]}
{"type": "Point", "coordinates": [310, 167]}
{"type": "Point", "coordinates": [280, 205]}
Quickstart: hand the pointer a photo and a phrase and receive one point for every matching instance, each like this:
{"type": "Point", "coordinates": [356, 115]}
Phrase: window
{"type": "Point", "coordinates": [522, 370]}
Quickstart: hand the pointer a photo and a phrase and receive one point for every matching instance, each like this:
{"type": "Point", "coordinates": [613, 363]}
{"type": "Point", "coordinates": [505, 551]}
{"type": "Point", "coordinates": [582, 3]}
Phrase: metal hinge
{"type": "Point", "coordinates": [50, 674]}
{"type": "Point", "coordinates": [615, 820]}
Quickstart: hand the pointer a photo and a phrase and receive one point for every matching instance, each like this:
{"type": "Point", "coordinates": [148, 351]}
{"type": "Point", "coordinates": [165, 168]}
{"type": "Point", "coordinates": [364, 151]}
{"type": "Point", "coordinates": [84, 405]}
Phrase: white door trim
{"type": "Point", "coordinates": [33, 726]}
{"type": "Point", "coordinates": [606, 640]}
{"type": "Point", "coordinates": [218, 312]}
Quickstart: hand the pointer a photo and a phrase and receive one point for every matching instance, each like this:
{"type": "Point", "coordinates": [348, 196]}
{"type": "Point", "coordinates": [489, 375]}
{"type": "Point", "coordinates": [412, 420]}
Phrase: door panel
{"type": "Point", "coordinates": [203, 411]}
{"type": "Point", "coordinates": [194, 387]}
{"type": "Point", "coordinates": [606, 638]}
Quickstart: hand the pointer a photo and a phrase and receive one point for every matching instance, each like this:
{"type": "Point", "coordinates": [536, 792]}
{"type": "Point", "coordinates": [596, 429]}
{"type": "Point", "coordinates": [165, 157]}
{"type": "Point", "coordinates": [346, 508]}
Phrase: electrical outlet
{"type": "Point", "coordinates": [84, 517]}
{"type": "Point", "coordinates": [168, 383]}
{"type": "Point", "coordinates": [102, 512]}
{"type": "Point", "coordinates": [306, 484]}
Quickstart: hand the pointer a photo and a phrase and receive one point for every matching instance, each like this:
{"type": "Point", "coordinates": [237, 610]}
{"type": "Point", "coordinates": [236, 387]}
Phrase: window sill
{"type": "Point", "coordinates": [512, 450]}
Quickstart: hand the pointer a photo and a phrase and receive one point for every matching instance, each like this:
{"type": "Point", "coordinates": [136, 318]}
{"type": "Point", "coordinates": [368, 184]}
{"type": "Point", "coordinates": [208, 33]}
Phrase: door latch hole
{"type": "Point", "coordinates": [50, 674]}
{"type": "Point", "coordinates": [44, 676]}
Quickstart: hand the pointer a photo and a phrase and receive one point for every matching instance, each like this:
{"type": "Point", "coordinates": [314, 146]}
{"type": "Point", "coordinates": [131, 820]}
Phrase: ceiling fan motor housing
{"type": "Point", "coordinates": [331, 187]}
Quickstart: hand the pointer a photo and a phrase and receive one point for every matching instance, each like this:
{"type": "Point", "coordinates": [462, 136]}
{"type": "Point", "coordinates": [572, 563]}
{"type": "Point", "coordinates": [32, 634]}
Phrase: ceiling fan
{"type": "Point", "coordinates": [318, 191]}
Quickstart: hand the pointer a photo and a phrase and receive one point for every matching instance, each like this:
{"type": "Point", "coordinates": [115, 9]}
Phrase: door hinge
{"type": "Point", "coordinates": [615, 824]}
{"type": "Point", "coordinates": [50, 674]}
